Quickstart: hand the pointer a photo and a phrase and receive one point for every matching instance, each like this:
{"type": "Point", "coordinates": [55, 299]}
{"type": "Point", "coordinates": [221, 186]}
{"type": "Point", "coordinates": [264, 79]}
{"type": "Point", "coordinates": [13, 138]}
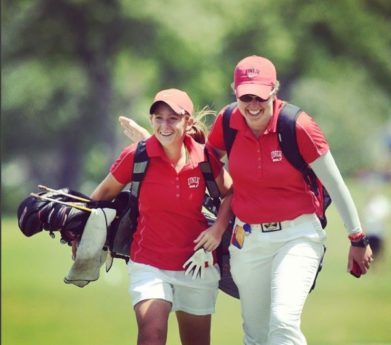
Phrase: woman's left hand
{"type": "Point", "coordinates": [361, 257]}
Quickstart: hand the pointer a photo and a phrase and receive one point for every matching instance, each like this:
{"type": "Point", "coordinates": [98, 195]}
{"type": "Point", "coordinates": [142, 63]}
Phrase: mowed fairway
{"type": "Point", "coordinates": [39, 309]}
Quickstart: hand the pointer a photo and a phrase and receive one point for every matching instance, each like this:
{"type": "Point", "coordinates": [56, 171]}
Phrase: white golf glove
{"type": "Point", "coordinates": [197, 262]}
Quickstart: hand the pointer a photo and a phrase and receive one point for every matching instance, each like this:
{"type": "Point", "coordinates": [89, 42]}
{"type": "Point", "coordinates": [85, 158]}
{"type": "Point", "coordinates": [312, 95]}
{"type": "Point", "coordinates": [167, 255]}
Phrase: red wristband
{"type": "Point", "coordinates": [356, 236]}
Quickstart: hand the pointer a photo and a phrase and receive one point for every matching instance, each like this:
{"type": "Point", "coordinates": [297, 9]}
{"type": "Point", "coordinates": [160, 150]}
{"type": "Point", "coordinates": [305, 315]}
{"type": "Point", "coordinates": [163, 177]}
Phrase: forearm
{"type": "Point", "coordinates": [327, 171]}
{"type": "Point", "coordinates": [132, 130]}
{"type": "Point", "coordinates": [359, 258]}
{"type": "Point", "coordinates": [211, 237]}
{"type": "Point", "coordinates": [224, 214]}
{"type": "Point", "coordinates": [108, 189]}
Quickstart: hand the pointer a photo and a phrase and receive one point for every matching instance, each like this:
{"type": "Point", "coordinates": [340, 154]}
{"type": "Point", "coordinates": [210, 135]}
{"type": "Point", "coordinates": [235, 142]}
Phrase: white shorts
{"type": "Point", "coordinates": [197, 297]}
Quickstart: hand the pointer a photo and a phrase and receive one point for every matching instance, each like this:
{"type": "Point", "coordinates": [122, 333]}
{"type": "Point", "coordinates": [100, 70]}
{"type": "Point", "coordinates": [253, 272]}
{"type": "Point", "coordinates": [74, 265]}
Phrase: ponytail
{"type": "Point", "coordinates": [199, 130]}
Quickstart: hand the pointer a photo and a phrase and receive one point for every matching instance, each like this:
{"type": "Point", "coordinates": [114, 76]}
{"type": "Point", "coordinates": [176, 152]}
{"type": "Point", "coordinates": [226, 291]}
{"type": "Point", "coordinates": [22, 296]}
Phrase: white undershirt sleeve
{"type": "Point", "coordinates": [328, 173]}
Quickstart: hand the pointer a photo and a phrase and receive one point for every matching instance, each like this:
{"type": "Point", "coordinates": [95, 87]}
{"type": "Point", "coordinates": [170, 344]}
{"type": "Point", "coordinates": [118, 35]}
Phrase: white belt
{"type": "Point", "coordinates": [277, 226]}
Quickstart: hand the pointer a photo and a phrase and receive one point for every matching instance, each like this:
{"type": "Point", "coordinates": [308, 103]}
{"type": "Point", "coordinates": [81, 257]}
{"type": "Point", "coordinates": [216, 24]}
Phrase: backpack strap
{"type": "Point", "coordinates": [212, 199]}
{"type": "Point", "coordinates": [206, 170]}
{"type": "Point", "coordinates": [286, 130]}
{"type": "Point", "coordinates": [140, 165]}
{"type": "Point", "coordinates": [124, 227]}
{"type": "Point", "coordinates": [228, 132]}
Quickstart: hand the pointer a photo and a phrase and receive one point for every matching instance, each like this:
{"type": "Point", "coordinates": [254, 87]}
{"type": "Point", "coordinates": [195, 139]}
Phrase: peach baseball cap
{"type": "Point", "coordinates": [177, 100]}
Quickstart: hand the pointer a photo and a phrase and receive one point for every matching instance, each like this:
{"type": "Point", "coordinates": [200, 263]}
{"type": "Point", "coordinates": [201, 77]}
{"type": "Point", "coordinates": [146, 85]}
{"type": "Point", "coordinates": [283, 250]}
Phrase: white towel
{"type": "Point", "coordinates": [90, 256]}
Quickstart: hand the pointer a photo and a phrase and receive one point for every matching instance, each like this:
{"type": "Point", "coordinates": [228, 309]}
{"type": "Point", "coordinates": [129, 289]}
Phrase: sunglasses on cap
{"type": "Point", "coordinates": [249, 98]}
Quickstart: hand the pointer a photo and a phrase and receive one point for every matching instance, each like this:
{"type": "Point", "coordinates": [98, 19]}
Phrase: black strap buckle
{"type": "Point", "coordinates": [270, 227]}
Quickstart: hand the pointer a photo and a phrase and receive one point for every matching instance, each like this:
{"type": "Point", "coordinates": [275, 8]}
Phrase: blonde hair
{"type": "Point", "coordinates": [199, 129]}
{"type": "Point", "coordinates": [276, 88]}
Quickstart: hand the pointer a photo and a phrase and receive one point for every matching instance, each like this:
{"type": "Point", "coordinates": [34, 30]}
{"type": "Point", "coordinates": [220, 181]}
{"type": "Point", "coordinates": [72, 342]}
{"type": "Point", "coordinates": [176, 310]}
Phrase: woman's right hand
{"type": "Point", "coordinates": [209, 239]}
{"type": "Point", "coordinates": [133, 130]}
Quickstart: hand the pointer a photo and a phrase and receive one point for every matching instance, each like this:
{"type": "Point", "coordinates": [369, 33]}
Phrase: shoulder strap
{"type": "Point", "coordinates": [123, 227]}
{"type": "Point", "coordinates": [286, 130]}
{"type": "Point", "coordinates": [212, 199]}
{"type": "Point", "coordinates": [140, 165]}
{"type": "Point", "coordinates": [206, 170]}
{"type": "Point", "coordinates": [228, 132]}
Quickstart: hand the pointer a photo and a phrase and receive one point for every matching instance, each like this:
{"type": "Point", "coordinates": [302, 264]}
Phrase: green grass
{"type": "Point", "coordinates": [39, 309]}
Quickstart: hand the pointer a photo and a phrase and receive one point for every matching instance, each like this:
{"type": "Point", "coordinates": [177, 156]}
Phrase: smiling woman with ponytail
{"type": "Point", "coordinates": [171, 221]}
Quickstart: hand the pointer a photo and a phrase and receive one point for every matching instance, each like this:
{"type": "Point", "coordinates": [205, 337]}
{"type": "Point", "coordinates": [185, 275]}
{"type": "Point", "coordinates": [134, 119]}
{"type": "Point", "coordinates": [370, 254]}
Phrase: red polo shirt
{"type": "Point", "coordinates": [266, 186]}
{"type": "Point", "coordinates": [169, 203]}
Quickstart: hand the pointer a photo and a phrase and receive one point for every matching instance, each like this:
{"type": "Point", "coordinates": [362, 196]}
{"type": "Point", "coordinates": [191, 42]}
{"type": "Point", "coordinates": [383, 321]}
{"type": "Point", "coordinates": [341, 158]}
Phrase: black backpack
{"type": "Point", "coordinates": [286, 131]}
{"type": "Point", "coordinates": [122, 229]}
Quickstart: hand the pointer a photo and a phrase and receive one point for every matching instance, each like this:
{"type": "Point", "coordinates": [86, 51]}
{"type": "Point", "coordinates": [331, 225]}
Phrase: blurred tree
{"type": "Point", "coordinates": [328, 57]}
{"type": "Point", "coordinates": [70, 67]}
{"type": "Point", "coordinates": [305, 37]}
{"type": "Point", "coordinates": [58, 64]}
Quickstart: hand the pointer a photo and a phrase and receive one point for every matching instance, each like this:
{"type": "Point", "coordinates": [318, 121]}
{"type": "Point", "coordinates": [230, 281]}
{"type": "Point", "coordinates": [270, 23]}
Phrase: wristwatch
{"type": "Point", "coordinates": [359, 241]}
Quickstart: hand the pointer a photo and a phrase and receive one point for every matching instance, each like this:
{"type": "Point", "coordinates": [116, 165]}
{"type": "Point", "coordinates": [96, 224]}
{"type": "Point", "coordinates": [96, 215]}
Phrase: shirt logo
{"type": "Point", "coordinates": [193, 182]}
{"type": "Point", "coordinates": [276, 156]}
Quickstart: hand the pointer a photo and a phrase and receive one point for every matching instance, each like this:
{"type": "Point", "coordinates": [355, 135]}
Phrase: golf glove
{"type": "Point", "coordinates": [197, 263]}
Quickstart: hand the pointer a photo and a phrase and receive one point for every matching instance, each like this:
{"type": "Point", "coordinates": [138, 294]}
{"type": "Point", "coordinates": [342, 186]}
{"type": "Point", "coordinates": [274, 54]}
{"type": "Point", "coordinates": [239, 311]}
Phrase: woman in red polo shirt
{"type": "Point", "coordinates": [169, 222]}
{"type": "Point", "coordinates": [278, 240]}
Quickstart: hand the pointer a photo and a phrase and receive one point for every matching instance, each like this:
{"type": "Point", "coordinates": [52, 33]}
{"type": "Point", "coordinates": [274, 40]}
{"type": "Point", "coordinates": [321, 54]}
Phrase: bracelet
{"type": "Point", "coordinates": [359, 240]}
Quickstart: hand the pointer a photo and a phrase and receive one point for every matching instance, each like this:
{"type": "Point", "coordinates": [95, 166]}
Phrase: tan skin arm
{"type": "Point", "coordinates": [132, 130]}
{"type": "Point", "coordinates": [210, 238]}
{"type": "Point", "coordinates": [108, 189]}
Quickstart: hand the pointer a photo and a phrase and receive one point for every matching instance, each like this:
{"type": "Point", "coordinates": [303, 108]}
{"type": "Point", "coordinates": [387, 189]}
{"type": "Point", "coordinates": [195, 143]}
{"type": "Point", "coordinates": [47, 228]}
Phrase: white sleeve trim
{"type": "Point", "coordinates": [328, 173]}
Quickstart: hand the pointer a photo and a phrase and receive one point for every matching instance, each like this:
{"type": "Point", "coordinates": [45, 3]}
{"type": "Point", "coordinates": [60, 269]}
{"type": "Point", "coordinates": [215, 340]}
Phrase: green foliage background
{"type": "Point", "coordinates": [70, 67]}
{"type": "Point", "coordinates": [39, 309]}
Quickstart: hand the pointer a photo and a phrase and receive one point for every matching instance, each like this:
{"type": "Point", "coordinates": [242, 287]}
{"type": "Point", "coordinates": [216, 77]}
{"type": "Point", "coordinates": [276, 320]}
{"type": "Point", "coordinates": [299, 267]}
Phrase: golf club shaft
{"type": "Point", "coordinates": [62, 202]}
{"type": "Point", "coordinates": [63, 193]}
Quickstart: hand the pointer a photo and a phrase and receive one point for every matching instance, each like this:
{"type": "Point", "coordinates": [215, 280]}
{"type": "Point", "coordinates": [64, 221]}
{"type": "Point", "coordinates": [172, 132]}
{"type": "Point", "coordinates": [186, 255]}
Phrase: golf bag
{"type": "Point", "coordinates": [56, 210]}
{"type": "Point", "coordinates": [66, 211]}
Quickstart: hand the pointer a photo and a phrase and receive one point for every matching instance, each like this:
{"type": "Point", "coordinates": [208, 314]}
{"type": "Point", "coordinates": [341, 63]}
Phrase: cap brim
{"type": "Point", "coordinates": [178, 110]}
{"type": "Point", "coordinates": [259, 90]}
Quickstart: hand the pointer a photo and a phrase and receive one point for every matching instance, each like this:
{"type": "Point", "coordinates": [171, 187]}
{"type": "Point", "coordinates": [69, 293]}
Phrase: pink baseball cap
{"type": "Point", "coordinates": [254, 75]}
{"type": "Point", "coordinates": [177, 100]}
